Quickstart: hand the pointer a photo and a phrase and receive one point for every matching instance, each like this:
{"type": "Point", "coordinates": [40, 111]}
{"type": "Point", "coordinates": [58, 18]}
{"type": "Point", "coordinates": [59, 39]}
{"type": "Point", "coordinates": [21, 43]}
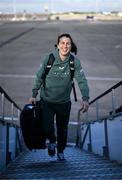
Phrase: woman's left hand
{"type": "Point", "coordinates": [84, 106]}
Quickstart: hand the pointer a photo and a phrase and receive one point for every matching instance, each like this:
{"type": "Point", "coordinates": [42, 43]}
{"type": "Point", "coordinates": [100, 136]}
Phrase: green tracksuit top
{"type": "Point", "coordinates": [58, 81]}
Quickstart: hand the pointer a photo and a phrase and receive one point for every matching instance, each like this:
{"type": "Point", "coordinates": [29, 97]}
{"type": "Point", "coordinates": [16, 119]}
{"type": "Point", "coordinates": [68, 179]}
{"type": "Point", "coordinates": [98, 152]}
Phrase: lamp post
{"type": "Point", "coordinates": [96, 6]}
{"type": "Point", "coordinates": [51, 6]}
{"type": "Point", "coordinates": [14, 8]}
{"type": "Point", "coordinates": [46, 9]}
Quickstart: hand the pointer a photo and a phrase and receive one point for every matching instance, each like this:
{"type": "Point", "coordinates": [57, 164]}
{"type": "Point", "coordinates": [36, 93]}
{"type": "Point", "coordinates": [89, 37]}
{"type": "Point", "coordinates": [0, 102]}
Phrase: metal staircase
{"type": "Point", "coordinates": [91, 158]}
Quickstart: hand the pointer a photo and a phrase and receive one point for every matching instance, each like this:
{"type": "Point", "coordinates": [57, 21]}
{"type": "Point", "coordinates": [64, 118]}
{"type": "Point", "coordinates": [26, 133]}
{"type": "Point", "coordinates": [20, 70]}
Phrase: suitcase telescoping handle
{"type": "Point", "coordinates": [34, 109]}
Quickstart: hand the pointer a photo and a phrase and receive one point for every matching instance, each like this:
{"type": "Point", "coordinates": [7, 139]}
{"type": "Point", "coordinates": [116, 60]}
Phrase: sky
{"type": "Point", "coordinates": [60, 5]}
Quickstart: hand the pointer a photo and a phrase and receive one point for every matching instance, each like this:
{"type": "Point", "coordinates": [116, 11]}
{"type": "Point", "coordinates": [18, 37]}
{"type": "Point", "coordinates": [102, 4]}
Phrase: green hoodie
{"type": "Point", "coordinates": [58, 81]}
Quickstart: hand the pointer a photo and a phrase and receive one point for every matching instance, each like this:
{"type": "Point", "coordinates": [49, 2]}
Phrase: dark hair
{"type": "Point", "coordinates": [73, 46]}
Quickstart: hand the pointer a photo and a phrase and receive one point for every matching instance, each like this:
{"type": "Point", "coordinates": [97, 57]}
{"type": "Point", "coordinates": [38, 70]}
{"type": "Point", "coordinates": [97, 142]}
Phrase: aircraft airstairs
{"type": "Point", "coordinates": [97, 153]}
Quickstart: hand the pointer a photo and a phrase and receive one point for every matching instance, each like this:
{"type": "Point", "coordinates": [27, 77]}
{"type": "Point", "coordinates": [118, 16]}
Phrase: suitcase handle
{"type": "Point", "coordinates": [34, 111]}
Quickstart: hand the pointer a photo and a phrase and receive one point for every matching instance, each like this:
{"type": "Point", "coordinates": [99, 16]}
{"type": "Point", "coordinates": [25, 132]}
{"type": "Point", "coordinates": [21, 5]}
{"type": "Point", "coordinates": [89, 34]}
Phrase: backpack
{"type": "Point", "coordinates": [50, 64]}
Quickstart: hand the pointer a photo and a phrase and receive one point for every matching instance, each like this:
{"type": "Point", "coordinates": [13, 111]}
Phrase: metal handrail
{"type": "Point", "coordinates": [8, 98]}
{"type": "Point", "coordinates": [10, 123]}
{"type": "Point", "coordinates": [106, 92]}
{"type": "Point", "coordinates": [80, 144]}
{"type": "Point", "coordinates": [103, 94]}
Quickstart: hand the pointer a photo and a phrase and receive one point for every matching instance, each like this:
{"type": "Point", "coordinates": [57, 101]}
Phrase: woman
{"type": "Point", "coordinates": [55, 96]}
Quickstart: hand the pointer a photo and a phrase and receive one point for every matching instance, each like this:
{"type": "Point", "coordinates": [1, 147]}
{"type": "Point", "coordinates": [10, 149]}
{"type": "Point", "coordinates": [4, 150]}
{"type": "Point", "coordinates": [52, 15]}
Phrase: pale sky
{"type": "Point", "coordinates": [60, 5]}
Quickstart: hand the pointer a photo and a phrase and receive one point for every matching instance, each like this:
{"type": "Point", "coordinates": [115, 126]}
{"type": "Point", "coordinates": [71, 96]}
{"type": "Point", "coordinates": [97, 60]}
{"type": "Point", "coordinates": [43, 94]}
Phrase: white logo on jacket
{"type": "Point", "coordinates": [61, 67]}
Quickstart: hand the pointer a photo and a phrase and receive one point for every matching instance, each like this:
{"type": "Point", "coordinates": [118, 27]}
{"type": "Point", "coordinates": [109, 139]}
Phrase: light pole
{"type": "Point", "coordinates": [51, 6]}
{"type": "Point", "coordinates": [14, 8]}
{"type": "Point", "coordinates": [96, 6]}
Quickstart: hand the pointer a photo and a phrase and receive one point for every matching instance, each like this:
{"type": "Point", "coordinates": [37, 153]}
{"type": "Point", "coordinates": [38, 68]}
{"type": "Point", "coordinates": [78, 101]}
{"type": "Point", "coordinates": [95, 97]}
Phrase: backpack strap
{"type": "Point", "coordinates": [48, 67]}
{"type": "Point", "coordinates": [72, 70]}
{"type": "Point", "coordinates": [49, 63]}
{"type": "Point", "coordinates": [71, 65]}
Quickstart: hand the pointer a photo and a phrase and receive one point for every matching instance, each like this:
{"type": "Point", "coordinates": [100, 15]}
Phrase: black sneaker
{"type": "Point", "coordinates": [60, 157]}
{"type": "Point", "coordinates": [51, 149]}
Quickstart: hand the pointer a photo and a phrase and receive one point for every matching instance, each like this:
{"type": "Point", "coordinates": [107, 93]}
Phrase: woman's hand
{"type": "Point", "coordinates": [84, 106]}
{"type": "Point", "coordinates": [32, 100]}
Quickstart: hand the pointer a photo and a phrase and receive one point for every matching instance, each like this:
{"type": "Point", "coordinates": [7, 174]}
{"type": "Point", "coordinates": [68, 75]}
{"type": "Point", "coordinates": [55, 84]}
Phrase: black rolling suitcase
{"type": "Point", "coordinates": [31, 126]}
